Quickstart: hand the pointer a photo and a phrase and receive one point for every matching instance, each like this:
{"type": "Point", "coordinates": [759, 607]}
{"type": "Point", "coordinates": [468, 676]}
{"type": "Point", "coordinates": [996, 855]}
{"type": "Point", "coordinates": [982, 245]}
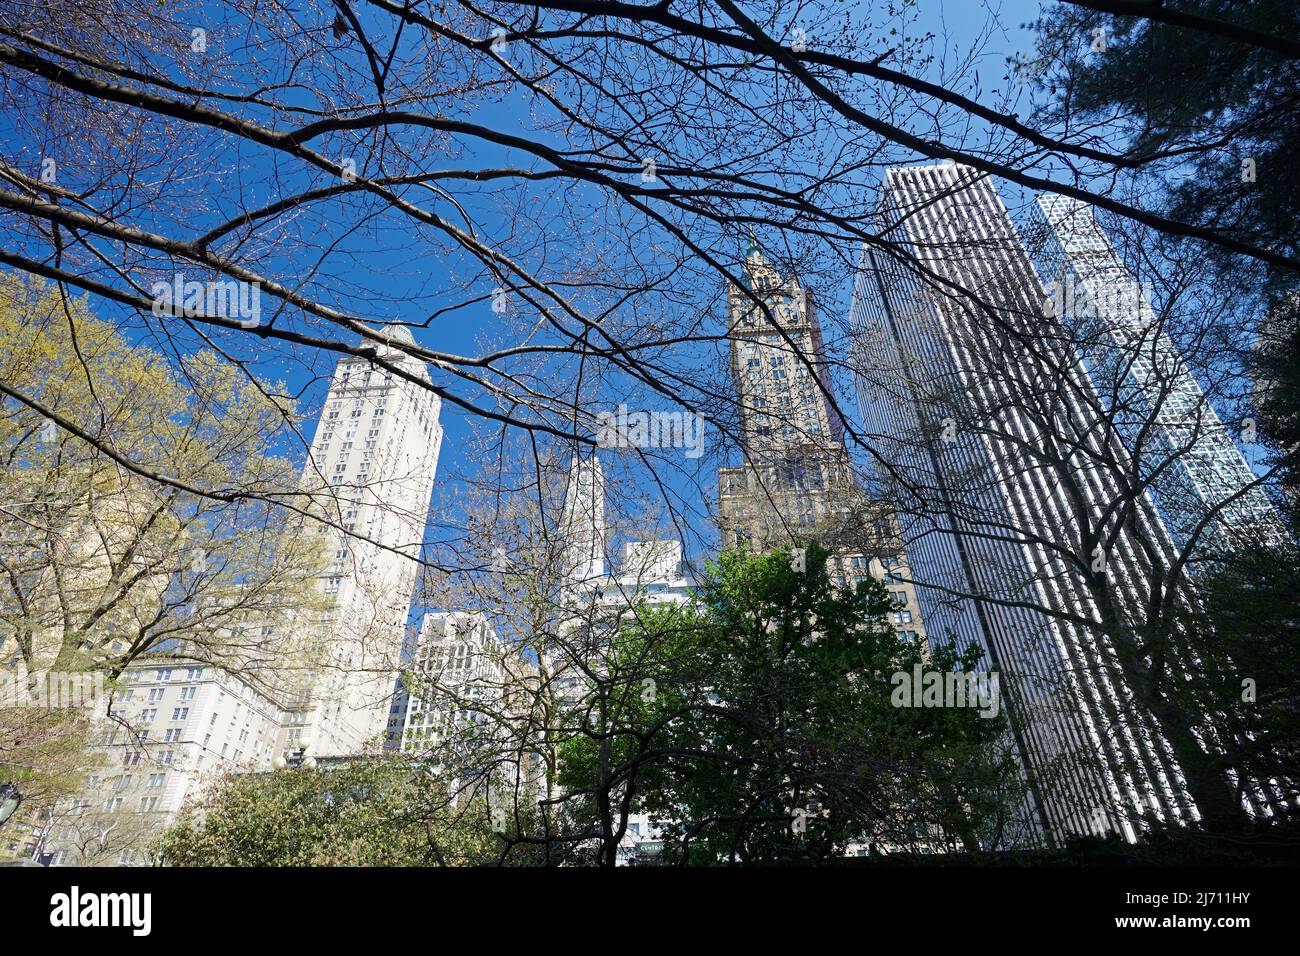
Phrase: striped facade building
{"type": "Point", "coordinates": [1022, 536]}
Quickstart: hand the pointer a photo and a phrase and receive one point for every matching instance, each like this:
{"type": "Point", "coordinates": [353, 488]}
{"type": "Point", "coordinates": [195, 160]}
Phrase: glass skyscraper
{"type": "Point", "coordinates": [1207, 494]}
{"type": "Point", "coordinates": [1023, 535]}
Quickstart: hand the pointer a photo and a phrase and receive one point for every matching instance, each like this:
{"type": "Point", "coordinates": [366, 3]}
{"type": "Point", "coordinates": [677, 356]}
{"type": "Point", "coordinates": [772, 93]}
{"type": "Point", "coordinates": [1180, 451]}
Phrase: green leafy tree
{"type": "Point", "coordinates": [1276, 368]}
{"type": "Point", "coordinates": [147, 509]}
{"type": "Point", "coordinates": [366, 812]}
{"type": "Point", "coordinates": [1191, 102]}
{"type": "Point", "coordinates": [46, 753]}
{"type": "Point", "coordinates": [762, 726]}
{"type": "Point", "coordinates": [1243, 673]}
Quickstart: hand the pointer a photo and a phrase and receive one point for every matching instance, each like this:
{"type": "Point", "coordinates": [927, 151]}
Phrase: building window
{"type": "Point", "coordinates": [893, 571]}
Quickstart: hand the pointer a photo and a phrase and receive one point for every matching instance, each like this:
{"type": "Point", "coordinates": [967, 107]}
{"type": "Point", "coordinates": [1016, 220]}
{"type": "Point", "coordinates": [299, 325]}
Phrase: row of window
{"type": "Point", "coordinates": [149, 714]}
{"type": "Point", "coordinates": [132, 758]}
{"type": "Point", "coordinates": [155, 780]}
{"type": "Point", "coordinates": [164, 674]}
{"type": "Point", "coordinates": [113, 804]}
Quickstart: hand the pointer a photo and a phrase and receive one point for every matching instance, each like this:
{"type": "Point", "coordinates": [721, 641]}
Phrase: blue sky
{"type": "Point", "coordinates": [386, 270]}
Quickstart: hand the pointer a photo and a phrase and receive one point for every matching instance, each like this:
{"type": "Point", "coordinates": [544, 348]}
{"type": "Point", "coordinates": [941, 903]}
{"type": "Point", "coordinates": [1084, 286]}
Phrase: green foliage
{"type": "Point", "coordinates": [46, 752]}
{"type": "Point", "coordinates": [366, 812]}
{"type": "Point", "coordinates": [1276, 370]}
{"type": "Point", "coordinates": [758, 726]}
{"type": "Point", "coordinates": [1210, 100]}
{"type": "Point", "coordinates": [149, 516]}
{"type": "Point", "coordinates": [1242, 678]}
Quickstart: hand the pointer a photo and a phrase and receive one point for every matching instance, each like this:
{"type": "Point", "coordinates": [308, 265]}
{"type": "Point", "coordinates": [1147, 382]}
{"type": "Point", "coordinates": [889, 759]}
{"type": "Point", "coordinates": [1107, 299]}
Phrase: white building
{"type": "Point", "coordinates": [460, 678]}
{"type": "Point", "coordinates": [173, 729]}
{"type": "Point", "coordinates": [372, 466]}
{"type": "Point", "coordinates": [650, 574]}
{"type": "Point", "coordinates": [594, 596]}
{"type": "Point", "coordinates": [470, 711]}
{"type": "Point", "coordinates": [585, 534]}
{"type": "Point", "coordinates": [371, 469]}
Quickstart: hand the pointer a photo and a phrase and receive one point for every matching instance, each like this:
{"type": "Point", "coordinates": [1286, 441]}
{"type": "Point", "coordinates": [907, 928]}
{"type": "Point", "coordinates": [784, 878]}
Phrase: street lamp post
{"type": "Point", "coordinates": [295, 758]}
{"type": "Point", "coordinates": [10, 800]}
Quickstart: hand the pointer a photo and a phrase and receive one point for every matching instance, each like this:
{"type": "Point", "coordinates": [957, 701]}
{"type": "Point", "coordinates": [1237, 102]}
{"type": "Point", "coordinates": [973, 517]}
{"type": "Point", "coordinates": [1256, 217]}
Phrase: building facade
{"type": "Point", "coordinates": [460, 678]}
{"type": "Point", "coordinates": [1012, 504]}
{"type": "Point", "coordinates": [1207, 494]}
{"type": "Point", "coordinates": [797, 483]}
{"type": "Point", "coordinates": [584, 532]}
{"type": "Point", "coordinates": [177, 725]}
{"type": "Point", "coordinates": [372, 466]}
{"type": "Point", "coordinates": [172, 729]}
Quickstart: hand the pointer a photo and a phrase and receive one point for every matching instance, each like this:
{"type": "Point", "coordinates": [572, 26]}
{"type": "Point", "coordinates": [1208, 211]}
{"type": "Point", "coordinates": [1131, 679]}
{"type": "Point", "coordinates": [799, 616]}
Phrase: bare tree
{"type": "Point", "coordinates": [331, 172]}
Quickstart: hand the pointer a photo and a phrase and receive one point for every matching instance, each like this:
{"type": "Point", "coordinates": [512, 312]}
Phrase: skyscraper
{"type": "Point", "coordinates": [1024, 537]}
{"type": "Point", "coordinates": [597, 593]}
{"type": "Point", "coordinates": [1206, 492]}
{"type": "Point", "coordinates": [797, 483]}
{"type": "Point", "coordinates": [779, 363]}
{"type": "Point", "coordinates": [582, 522]}
{"type": "Point", "coordinates": [372, 466]}
{"type": "Point", "coordinates": [177, 725]}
